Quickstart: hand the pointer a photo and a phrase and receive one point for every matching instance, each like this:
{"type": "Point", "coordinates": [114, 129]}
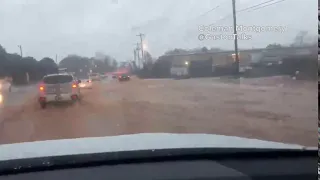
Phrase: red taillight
{"type": "Point", "coordinates": [74, 85]}
{"type": "Point", "coordinates": [74, 97]}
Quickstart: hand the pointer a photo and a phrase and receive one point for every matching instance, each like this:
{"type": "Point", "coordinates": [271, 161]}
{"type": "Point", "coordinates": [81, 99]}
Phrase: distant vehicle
{"type": "Point", "coordinates": [63, 70]}
{"type": "Point", "coordinates": [103, 76]}
{"type": "Point", "coordinates": [180, 70]}
{"type": "Point", "coordinates": [95, 76]}
{"type": "Point", "coordinates": [5, 86]}
{"type": "Point", "coordinates": [86, 84]}
{"type": "Point", "coordinates": [58, 88]}
{"type": "Point", "coordinates": [123, 77]}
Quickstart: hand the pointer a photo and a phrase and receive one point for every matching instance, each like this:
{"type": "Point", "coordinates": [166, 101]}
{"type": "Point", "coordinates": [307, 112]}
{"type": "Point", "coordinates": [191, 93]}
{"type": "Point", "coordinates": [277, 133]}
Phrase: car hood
{"type": "Point", "coordinates": [145, 141]}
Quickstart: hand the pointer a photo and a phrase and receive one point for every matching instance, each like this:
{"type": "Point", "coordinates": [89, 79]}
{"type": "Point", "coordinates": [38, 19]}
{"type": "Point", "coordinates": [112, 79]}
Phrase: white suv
{"type": "Point", "coordinates": [58, 88]}
{"type": "Point", "coordinates": [95, 77]}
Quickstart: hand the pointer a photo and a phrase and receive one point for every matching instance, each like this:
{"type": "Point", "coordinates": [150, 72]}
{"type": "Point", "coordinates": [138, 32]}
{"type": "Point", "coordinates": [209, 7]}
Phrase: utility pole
{"type": "Point", "coordinates": [20, 47]}
{"type": "Point", "coordinates": [27, 73]}
{"type": "Point", "coordinates": [56, 59]}
{"type": "Point", "coordinates": [134, 55]}
{"type": "Point", "coordinates": [141, 41]}
{"type": "Point", "coordinates": [134, 58]}
{"type": "Point", "coordinates": [138, 55]}
{"type": "Point", "coordinates": [235, 38]}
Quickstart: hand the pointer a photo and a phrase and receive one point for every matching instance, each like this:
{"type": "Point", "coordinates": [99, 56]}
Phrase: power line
{"type": "Point", "coordinates": [208, 11]}
{"type": "Point", "coordinates": [267, 5]}
{"type": "Point", "coordinates": [205, 13]}
{"type": "Point", "coordinates": [212, 9]}
{"type": "Point", "coordinates": [248, 8]}
{"type": "Point", "coordinates": [230, 15]}
{"type": "Point", "coordinates": [256, 7]}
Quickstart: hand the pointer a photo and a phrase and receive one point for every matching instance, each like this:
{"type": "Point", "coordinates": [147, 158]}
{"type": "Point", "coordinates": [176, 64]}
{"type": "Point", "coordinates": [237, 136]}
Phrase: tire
{"type": "Point", "coordinates": [174, 77]}
{"type": "Point", "coordinates": [43, 105]}
{"type": "Point", "coordinates": [177, 78]}
{"type": "Point", "coordinates": [80, 97]}
{"type": "Point", "coordinates": [75, 100]}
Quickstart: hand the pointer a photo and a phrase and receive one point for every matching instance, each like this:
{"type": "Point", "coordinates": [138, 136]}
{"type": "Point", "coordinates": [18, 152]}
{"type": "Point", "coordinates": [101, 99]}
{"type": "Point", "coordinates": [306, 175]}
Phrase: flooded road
{"type": "Point", "coordinates": [282, 111]}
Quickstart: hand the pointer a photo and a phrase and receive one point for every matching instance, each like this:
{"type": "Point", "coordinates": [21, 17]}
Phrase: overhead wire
{"type": "Point", "coordinates": [251, 8]}
{"type": "Point", "coordinates": [205, 13]}
{"type": "Point", "coordinates": [267, 5]}
{"type": "Point", "coordinates": [248, 8]}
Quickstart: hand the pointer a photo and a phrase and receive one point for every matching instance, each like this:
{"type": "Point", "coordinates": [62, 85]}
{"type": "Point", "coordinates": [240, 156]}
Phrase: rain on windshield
{"type": "Point", "coordinates": [187, 69]}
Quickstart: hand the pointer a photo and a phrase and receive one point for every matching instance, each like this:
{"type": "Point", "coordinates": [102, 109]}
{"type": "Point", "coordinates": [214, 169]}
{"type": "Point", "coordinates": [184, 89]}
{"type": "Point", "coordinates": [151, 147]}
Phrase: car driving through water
{"type": "Point", "coordinates": [95, 76]}
{"type": "Point", "coordinates": [187, 95]}
{"type": "Point", "coordinates": [5, 86]}
{"type": "Point", "coordinates": [56, 88]}
{"type": "Point", "coordinates": [86, 84]}
{"type": "Point", "coordinates": [123, 77]}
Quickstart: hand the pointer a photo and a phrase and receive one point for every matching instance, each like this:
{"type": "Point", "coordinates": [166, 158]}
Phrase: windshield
{"type": "Point", "coordinates": [245, 69]}
{"type": "Point", "coordinates": [59, 79]}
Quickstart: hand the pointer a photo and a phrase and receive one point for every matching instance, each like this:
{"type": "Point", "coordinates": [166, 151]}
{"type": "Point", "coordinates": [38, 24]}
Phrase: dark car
{"type": "Point", "coordinates": [123, 77]}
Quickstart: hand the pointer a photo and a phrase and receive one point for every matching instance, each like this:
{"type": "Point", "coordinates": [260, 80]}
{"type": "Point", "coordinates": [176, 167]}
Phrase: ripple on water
{"type": "Point", "coordinates": [111, 96]}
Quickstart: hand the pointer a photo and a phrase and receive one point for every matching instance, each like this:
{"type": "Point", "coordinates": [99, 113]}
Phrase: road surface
{"type": "Point", "coordinates": [18, 95]}
{"type": "Point", "coordinates": [275, 109]}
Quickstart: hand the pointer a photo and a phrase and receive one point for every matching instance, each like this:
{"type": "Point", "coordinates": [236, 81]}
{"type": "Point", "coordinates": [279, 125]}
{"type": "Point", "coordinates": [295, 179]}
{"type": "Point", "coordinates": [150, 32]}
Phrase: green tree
{"type": "Point", "coordinates": [274, 45]}
{"type": "Point", "coordinates": [47, 66]}
{"type": "Point", "coordinates": [204, 49]}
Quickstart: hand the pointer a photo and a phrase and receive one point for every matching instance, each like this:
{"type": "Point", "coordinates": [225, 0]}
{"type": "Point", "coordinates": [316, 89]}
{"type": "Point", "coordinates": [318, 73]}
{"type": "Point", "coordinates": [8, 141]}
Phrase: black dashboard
{"type": "Point", "coordinates": [268, 167]}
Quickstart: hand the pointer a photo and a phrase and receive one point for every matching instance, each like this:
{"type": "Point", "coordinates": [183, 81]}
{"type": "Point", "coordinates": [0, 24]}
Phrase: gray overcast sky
{"type": "Point", "coordinates": [83, 27]}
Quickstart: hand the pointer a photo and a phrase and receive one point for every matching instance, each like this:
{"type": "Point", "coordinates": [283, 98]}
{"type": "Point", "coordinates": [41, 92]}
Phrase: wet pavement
{"type": "Point", "coordinates": [283, 111]}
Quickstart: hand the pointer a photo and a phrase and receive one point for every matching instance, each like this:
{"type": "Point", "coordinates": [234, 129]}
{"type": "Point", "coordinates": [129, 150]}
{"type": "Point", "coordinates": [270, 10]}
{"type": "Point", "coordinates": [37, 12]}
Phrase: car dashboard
{"type": "Point", "coordinates": [275, 166]}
